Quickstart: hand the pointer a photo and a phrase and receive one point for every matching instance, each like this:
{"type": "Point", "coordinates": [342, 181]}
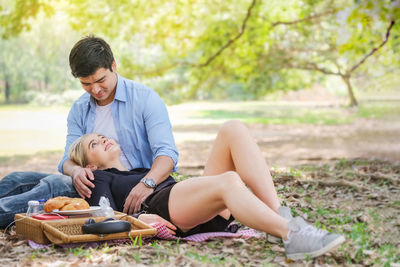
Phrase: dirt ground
{"type": "Point", "coordinates": [345, 178]}
{"type": "Point", "coordinates": [281, 145]}
{"type": "Point", "coordinates": [291, 145]}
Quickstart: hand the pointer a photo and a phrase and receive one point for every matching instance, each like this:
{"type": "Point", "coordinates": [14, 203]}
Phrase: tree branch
{"type": "Point", "coordinates": [310, 66]}
{"type": "Point", "coordinates": [312, 17]}
{"type": "Point", "coordinates": [215, 55]}
{"type": "Point", "coordinates": [313, 67]}
{"type": "Point", "coordinates": [374, 49]}
{"type": "Point", "coordinates": [231, 41]}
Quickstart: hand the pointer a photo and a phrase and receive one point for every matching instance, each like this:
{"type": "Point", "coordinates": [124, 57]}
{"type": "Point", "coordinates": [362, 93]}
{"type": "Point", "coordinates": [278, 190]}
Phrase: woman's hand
{"type": "Point", "coordinates": [81, 182]}
{"type": "Point", "coordinates": [154, 218]}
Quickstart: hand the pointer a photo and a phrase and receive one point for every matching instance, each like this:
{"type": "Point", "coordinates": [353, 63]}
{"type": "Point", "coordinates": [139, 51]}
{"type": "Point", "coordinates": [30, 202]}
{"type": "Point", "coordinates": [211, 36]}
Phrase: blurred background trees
{"type": "Point", "coordinates": [203, 49]}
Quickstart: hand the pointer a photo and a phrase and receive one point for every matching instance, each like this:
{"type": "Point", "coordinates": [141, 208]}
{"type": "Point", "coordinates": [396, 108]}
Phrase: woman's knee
{"type": "Point", "coordinates": [232, 128]}
{"type": "Point", "coordinates": [230, 179]}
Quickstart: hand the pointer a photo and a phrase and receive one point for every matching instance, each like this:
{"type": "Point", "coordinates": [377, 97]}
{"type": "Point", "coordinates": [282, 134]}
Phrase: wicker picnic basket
{"type": "Point", "coordinates": [70, 230]}
{"type": "Point", "coordinates": [30, 228]}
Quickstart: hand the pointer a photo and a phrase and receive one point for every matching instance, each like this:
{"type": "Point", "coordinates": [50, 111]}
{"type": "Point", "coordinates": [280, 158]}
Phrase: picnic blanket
{"type": "Point", "coordinates": [162, 233]}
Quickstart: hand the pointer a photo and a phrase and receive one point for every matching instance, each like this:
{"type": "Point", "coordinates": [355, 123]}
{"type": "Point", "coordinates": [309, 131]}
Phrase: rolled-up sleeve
{"type": "Point", "coordinates": [158, 128]}
{"type": "Point", "coordinates": [74, 132]}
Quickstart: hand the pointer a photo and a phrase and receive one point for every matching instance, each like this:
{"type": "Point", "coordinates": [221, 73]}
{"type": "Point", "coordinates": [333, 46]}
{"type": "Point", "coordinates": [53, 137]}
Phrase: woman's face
{"type": "Point", "coordinates": [100, 151]}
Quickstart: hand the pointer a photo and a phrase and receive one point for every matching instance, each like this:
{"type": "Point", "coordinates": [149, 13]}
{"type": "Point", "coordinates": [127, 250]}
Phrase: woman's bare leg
{"type": "Point", "coordinates": [195, 201]}
{"type": "Point", "coordinates": [235, 150]}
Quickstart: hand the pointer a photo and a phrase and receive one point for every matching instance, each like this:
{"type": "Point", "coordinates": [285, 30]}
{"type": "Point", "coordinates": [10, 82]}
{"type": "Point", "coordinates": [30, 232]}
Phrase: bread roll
{"type": "Point", "coordinates": [76, 204]}
{"type": "Point", "coordinates": [56, 203]}
{"type": "Point", "coordinates": [65, 203]}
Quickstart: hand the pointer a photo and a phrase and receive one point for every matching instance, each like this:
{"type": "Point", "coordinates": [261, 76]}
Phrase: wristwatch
{"type": "Point", "coordinates": [148, 182]}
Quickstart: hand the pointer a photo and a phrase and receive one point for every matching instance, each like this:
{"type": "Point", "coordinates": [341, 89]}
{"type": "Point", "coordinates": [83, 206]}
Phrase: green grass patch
{"type": "Point", "coordinates": [269, 113]}
{"type": "Point", "coordinates": [21, 158]}
{"type": "Point", "coordinates": [281, 116]}
{"type": "Point", "coordinates": [206, 258]}
{"type": "Point", "coordinates": [389, 110]}
{"type": "Point", "coordinates": [34, 107]}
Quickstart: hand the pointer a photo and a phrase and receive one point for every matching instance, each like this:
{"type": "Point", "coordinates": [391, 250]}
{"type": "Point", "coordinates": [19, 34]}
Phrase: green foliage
{"type": "Point", "coordinates": [16, 15]}
{"type": "Point", "coordinates": [35, 63]}
{"type": "Point", "coordinates": [209, 49]}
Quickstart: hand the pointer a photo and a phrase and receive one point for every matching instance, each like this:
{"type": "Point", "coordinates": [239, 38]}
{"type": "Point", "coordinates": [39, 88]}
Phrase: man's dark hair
{"type": "Point", "coordinates": [88, 55]}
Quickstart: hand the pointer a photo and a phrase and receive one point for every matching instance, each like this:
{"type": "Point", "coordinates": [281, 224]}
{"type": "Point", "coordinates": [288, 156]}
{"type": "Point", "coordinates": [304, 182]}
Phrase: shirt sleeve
{"type": "Point", "coordinates": [159, 129]}
{"type": "Point", "coordinates": [75, 130]}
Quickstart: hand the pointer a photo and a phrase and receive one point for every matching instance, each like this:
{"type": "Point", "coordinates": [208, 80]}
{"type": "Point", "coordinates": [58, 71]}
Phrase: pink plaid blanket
{"type": "Point", "coordinates": [163, 233]}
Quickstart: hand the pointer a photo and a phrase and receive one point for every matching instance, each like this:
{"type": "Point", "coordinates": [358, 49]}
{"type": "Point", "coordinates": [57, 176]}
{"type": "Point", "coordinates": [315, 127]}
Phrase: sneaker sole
{"type": "Point", "coordinates": [331, 245]}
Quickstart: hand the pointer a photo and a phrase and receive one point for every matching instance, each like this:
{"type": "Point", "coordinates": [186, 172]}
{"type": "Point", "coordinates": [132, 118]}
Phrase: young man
{"type": "Point", "coordinates": [127, 111]}
{"type": "Point", "coordinates": [130, 113]}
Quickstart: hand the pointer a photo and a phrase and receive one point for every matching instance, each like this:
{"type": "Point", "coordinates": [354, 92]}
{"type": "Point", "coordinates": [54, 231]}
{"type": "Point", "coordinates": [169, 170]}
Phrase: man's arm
{"type": "Point", "coordinates": [160, 170]}
{"type": "Point", "coordinates": [79, 175]}
{"type": "Point", "coordinates": [162, 144]}
{"type": "Point", "coordinates": [159, 129]}
{"type": "Point", "coordinates": [80, 178]}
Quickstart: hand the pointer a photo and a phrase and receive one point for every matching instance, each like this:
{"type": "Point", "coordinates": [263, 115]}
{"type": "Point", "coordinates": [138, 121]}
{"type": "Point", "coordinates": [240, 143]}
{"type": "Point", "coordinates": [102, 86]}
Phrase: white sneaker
{"type": "Point", "coordinates": [285, 212]}
{"type": "Point", "coordinates": [306, 240]}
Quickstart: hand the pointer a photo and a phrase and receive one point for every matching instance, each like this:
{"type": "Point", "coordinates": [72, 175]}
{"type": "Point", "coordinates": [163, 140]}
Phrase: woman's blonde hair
{"type": "Point", "coordinates": [76, 153]}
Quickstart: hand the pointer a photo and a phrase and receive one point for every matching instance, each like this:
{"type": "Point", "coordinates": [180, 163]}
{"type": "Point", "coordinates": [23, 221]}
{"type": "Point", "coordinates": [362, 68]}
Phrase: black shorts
{"type": "Point", "coordinates": [157, 203]}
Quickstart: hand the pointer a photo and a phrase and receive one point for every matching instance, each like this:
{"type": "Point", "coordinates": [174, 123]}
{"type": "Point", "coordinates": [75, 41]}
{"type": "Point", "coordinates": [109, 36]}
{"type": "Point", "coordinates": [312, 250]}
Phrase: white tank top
{"type": "Point", "coordinates": [104, 124]}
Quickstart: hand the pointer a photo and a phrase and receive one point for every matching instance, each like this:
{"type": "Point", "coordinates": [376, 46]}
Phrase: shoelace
{"type": "Point", "coordinates": [310, 230]}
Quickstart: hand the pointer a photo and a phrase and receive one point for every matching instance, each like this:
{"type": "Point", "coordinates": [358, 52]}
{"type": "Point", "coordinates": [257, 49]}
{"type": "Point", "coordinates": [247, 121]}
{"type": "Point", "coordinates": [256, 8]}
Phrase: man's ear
{"type": "Point", "coordinates": [114, 66]}
{"type": "Point", "coordinates": [91, 167]}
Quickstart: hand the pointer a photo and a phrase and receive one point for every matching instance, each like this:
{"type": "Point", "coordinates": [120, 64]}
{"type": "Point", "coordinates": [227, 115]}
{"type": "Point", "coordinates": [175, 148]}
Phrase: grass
{"type": "Point", "coordinates": [21, 158]}
{"type": "Point", "coordinates": [80, 252]}
{"type": "Point", "coordinates": [300, 114]}
{"type": "Point", "coordinates": [389, 110]}
{"type": "Point", "coordinates": [283, 116]}
{"type": "Point", "coordinates": [28, 129]}
{"type": "Point", "coordinates": [364, 244]}
{"type": "Point", "coordinates": [33, 108]}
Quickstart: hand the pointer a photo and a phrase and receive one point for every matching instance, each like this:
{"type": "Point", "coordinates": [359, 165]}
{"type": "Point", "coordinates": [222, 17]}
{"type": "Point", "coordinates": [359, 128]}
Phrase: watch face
{"type": "Point", "coordinates": [149, 182]}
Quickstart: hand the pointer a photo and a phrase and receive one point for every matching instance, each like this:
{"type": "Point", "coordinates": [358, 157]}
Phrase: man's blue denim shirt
{"type": "Point", "coordinates": [141, 122]}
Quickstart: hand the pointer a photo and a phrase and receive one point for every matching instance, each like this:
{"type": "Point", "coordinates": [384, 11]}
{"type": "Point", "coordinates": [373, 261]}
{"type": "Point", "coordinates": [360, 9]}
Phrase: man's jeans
{"type": "Point", "coordinates": [17, 188]}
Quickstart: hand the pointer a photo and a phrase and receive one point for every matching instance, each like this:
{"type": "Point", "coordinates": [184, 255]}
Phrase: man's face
{"type": "Point", "coordinates": [101, 85]}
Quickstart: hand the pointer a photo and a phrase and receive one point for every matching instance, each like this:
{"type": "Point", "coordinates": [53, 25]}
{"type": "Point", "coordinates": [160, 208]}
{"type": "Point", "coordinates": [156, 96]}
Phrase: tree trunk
{"type": "Point", "coordinates": [353, 100]}
{"type": "Point", "coordinates": [46, 81]}
{"type": "Point", "coordinates": [7, 91]}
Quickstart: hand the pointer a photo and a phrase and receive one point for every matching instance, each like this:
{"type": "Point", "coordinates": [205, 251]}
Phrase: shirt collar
{"type": "Point", "coordinates": [120, 94]}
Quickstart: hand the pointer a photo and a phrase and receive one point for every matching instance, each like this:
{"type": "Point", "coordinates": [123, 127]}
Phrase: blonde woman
{"type": "Point", "coordinates": [207, 203]}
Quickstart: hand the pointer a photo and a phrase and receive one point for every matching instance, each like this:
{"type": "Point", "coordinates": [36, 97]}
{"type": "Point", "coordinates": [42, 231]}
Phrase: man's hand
{"type": "Point", "coordinates": [154, 218]}
{"type": "Point", "coordinates": [81, 182]}
{"type": "Point", "coordinates": [135, 198]}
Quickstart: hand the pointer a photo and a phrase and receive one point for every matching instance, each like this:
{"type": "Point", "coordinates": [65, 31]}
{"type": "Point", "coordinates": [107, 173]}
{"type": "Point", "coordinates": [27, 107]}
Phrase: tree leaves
{"type": "Point", "coordinates": [211, 48]}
